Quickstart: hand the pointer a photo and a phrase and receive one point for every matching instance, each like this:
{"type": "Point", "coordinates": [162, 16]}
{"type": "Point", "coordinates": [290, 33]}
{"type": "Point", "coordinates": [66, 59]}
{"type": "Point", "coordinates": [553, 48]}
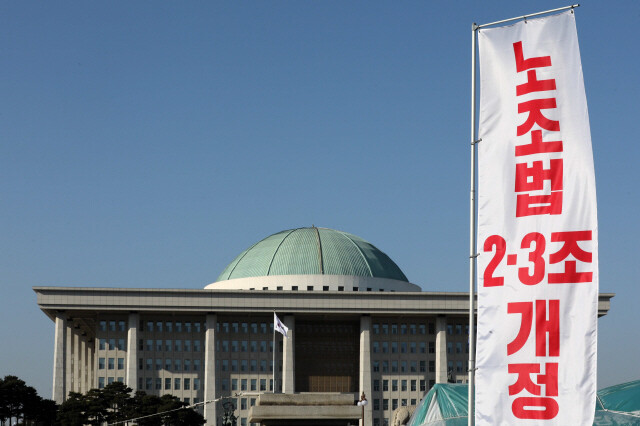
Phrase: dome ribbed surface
{"type": "Point", "coordinates": [308, 251]}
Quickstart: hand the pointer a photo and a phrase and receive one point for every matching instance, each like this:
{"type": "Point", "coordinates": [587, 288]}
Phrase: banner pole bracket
{"type": "Point", "coordinates": [473, 256]}
{"type": "Point", "coordinates": [477, 141]}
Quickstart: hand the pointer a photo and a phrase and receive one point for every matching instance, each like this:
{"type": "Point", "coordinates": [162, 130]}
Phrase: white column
{"type": "Point", "coordinates": [59, 361]}
{"type": "Point", "coordinates": [441, 349]}
{"type": "Point", "coordinates": [288, 356]}
{"type": "Point", "coordinates": [68, 373]}
{"type": "Point", "coordinates": [82, 356]}
{"type": "Point", "coordinates": [76, 362]}
{"type": "Point", "coordinates": [365, 367]}
{"type": "Point", "coordinates": [92, 363]}
{"type": "Point", "coordinates": [131, 378]}
{"type": "Point", "coordinates": [210, 369]}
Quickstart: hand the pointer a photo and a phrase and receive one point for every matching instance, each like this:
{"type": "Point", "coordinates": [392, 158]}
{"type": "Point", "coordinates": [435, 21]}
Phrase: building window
{"type": "Point", "coordinates": [432, 366]}
{"type": "Point", "coordinates": [385, 328]}
{"type": "Point", "coordinates": [187, 364]}
{"type": "Point", "coordinates": [394, 366]}
{"type": "Point", "coordinates": [432, 347]}
{"type": "Point", "coordinates": [385, 404]}
{"type": "Point", "coordinates": [167, 383]}
{"type": "Point", "coordinates": [385, 366]}
{"type": "Point", "coordinates": [376, 328]}
{"type": "Point", "coordinates": [263, 384]}
{"type": "Point", "coordinates": [385, 385]}
{"type": "Point", "coordinates": [100, 382]}
{"type": "Point", "coordinates": [340, 288]}
{"type": "Point", "coordinates": [376, 404]}
{"type": "Point", "coordinates": [376, 385]}
{"type": "Point", "coordinates": [449, 347]}
{"type": "Point", "coordinates": [414, 366]}
{"type": "Point", "coordinates": [120, 344]}
{"type": "Point", "coordinates": [309, 288]}
{"type": "Point", "coordinates": [234, 365]}
{"type": "Point", "coordinates": [234, 384]}
{"type": "Point", "coordinates": [413, 389]}
{"type": "Point", "coordinates": [224, 384]}
{"type": "Point", "coordinates": [196, 384]}
{"type": "Point", "coordinates": [158, 364]}
{"type": "Point", "coordinates": [112, 326]}
{"type": "Point", "coordinates": [385, 347]}
{"type": "Point", "coordinates": [178, 327]}
{"type": "Point", "coordinates": [394, 385]}
{"type": "Point", "coordinates": [103, 326]}
{"type": "Point", "coordinates": [376, 366]}
{"type": "Point", "coordinates": [177, 364]}
{"type": "Point", "coordinates": [413, 347]}
{"type": "Point", "coordinates": [196, 365]}
{"type": "Point", "coordinates": [158, 383]}
{"type": "Point", "coordinates": [375, 347]}
{"type": "Point", "coordinates": [111, 363]}
{"type": "Point", "coordinates": [325, 288]}
{"type": "Point", "coordinates": [102, 345]}
{"type": "Point", "coordinates": [187, 345]}
{"type": "Point", "coordinates": [100, 363]}
{"type": "Point", "coordinates": [403, 385]}
{"type": "Point", "coordinates": [423, 385]}
{"type": "Point", "coordinates": [120, 363]}
{"type": "Point", "coordinates": [254, 384]}
{"type": "Point", "coordinates": [294, 288]}
{"type": "Point", "coordinates": [243, 384]}
{"type": "Point", "coordinates": [394, 347]}
{"type": "Point", "coordinates": [169, 327]}
{"type": "Point", "coordinates": [149, 364]}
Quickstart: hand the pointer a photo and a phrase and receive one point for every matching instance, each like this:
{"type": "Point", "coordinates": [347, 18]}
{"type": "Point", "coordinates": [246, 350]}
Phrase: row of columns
{"type": "Point", "coordinates": [74, 360]}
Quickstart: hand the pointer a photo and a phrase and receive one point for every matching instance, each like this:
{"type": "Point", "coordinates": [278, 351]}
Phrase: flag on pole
{"type": "Point", "coordinates": [279, 325]}
{"type": "Point", "coordinates": [537, 228]}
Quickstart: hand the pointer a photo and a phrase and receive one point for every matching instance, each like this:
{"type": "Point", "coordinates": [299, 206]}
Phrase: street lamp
{"type": "Point", "coordinates": [363, 401]}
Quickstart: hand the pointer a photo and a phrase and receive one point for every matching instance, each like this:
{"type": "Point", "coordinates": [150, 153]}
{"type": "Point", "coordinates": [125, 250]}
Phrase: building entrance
{"type": "Point", "coordinates": [327, 356]}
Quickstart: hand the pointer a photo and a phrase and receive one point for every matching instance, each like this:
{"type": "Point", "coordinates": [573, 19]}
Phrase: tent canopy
{"type": "Point", "coordinates": [446, 405]}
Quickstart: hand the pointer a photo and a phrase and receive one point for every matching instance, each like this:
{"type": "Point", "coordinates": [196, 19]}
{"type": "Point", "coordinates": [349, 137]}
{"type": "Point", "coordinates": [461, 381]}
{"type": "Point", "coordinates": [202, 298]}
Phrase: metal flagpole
{"type": "Point", "coordinates": [472, 234]}
{"type": "Point", "coordinates": [472, 216]}
{"type": "Point", "coordinates": [274, 352]}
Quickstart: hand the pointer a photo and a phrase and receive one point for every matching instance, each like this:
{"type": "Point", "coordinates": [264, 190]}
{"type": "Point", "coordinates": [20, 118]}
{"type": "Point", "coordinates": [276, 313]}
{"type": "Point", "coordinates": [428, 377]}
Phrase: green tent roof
{"type": "Point", "coordinates": [446, 405]}
{"type": "Point", "coordinates": [307, 251]}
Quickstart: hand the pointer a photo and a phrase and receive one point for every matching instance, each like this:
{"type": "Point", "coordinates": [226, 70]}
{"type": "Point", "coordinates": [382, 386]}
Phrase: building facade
{"type": "Point", "coordinates": [355, 325]}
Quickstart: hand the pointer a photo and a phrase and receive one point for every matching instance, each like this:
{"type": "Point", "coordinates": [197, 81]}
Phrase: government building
{"type": "Point", "coordinates": [355, 325]}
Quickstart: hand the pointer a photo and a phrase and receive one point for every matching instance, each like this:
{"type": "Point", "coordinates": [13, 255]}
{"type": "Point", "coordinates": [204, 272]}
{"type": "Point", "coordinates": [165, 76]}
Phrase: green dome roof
{"type": "Point", "coordinates": [312, 251]}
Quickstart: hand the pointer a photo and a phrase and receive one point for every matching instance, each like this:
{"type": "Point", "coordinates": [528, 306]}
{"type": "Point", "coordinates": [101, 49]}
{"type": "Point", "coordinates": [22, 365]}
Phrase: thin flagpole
{"type": "Point", "coordinates": [274, 352]}
{"type": "Point", "coordinates": [472, 233]}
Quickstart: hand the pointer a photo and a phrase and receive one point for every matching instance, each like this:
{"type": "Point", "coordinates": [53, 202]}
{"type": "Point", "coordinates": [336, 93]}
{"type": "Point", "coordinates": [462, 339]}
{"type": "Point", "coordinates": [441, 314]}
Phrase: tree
{"type": "Point", "coordinates": [72, 412]}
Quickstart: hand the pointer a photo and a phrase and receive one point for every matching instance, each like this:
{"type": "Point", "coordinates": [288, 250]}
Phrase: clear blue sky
{"type": "Point", "coordinates": [146, 144]}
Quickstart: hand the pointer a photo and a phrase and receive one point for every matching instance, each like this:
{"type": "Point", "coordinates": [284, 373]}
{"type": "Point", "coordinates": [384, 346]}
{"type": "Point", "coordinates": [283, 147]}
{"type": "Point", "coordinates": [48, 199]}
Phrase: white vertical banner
{"type": "Point", "coordinates": [537, 229]}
